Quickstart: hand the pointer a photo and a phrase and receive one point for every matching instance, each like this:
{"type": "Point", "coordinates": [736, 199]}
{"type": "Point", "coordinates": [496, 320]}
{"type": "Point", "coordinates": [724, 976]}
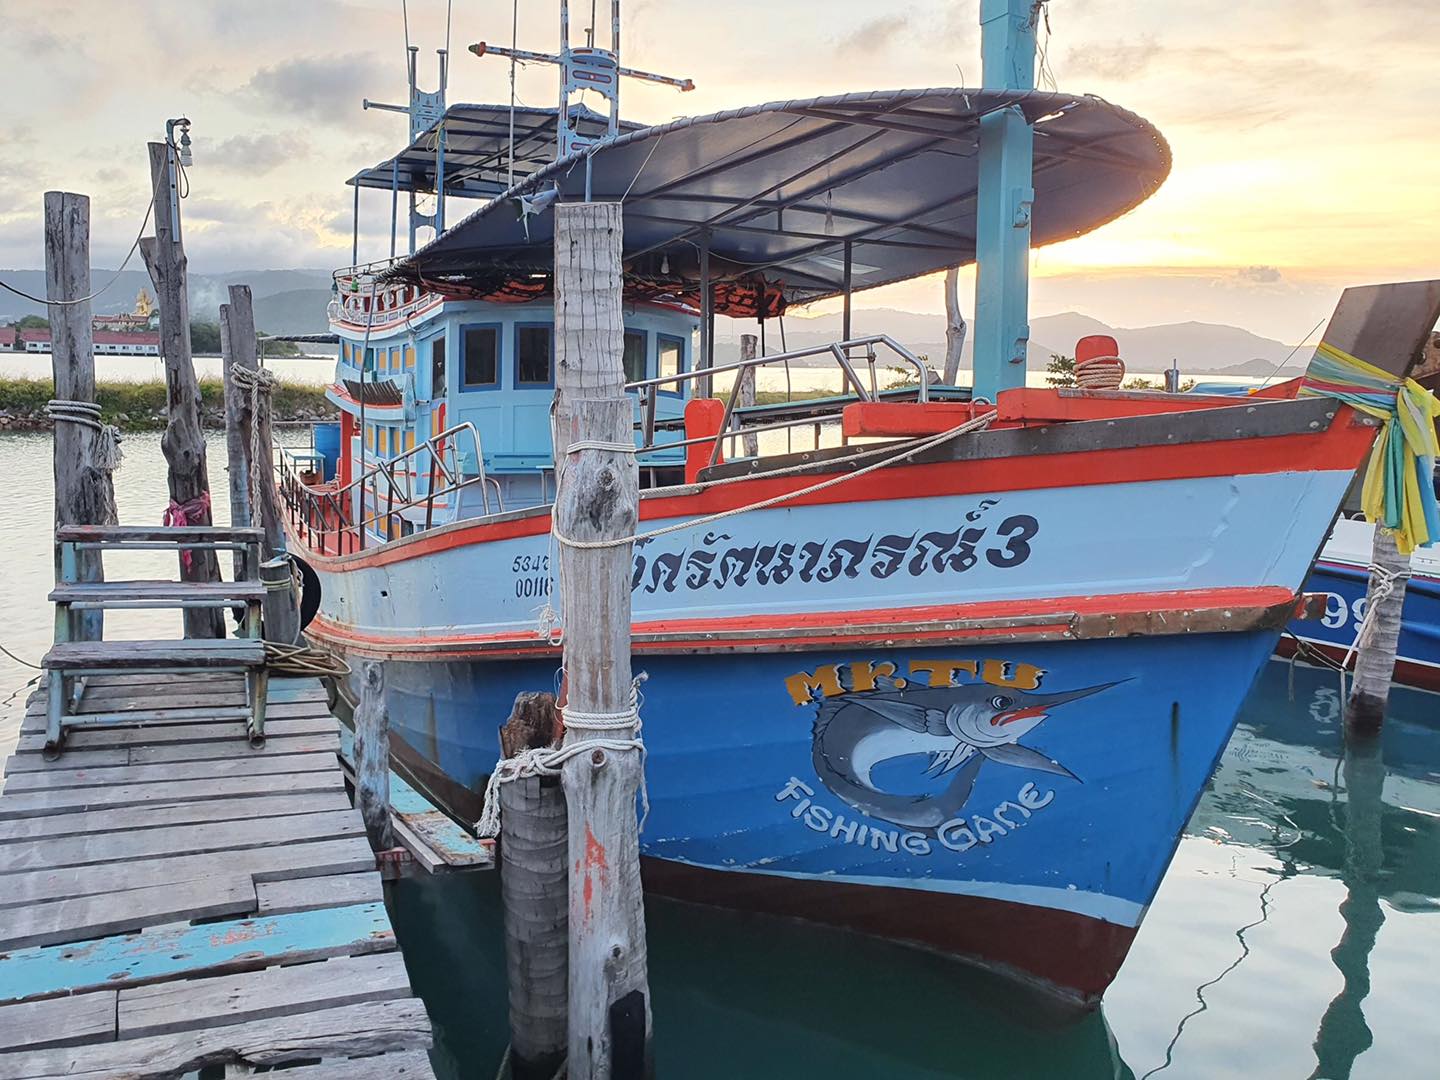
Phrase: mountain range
{"type": "Point", "coordinates": [294, 301]}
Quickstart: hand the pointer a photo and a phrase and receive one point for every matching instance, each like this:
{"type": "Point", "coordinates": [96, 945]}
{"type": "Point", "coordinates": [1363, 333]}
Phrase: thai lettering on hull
{"type": "Point", "coordinates": [936, 727]}
{"type": "Point", "coordinates": [718, 562]}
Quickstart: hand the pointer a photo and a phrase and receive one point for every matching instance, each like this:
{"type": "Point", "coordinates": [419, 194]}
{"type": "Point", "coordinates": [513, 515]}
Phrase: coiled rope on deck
{"type": "Point", "coordinates": [548, 760]}
{"type": "Point", "coordinates": [1398, 492]}
{"type": "Point", "coordinates": [105, 453]}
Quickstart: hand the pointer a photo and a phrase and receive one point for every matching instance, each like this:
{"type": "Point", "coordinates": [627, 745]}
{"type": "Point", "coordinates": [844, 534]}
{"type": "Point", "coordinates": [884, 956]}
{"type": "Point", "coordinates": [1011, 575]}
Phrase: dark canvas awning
{"type": "Point", "coordinates": [477, 147]}
{"type": "Point", "coordinates": [779, 190]}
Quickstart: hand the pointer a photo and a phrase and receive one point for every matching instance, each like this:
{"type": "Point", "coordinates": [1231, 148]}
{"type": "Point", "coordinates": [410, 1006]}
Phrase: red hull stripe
{"type": "Point", "coordinates": [1339, 449]}
{"type": "Point", "coordinates": [827, 628]}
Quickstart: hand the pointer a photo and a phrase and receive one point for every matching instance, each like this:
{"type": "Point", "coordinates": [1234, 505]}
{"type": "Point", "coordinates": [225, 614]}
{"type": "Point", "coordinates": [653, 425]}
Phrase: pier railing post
{"type": "Point", "coordinates": [745, 391]}
{"type": "Point", "coordinates": [1375, 654]}
{"type": "Point", "coordinates": [84, 488]}
{"type": "Point", "coordinates": [533, 889]}
{"type": "Point", "coordinates": [249, 413]}
{"type": "Point", "coordinates": [372, 756]}
{"type": "Point", "coordinates": [597, 504]}
{"type": "Point", "coordinates": [184, 441]}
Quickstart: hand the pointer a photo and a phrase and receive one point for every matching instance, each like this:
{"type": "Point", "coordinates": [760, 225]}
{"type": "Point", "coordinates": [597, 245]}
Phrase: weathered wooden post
{"type": "Point", "coordinates": [249, 411]}
{"type": "Point", "coordinates": [184, 441]}
{"type": "Point", "coordinates": [1380, 633]}
{"type": "Point", "coordinates": [745, 391]}
{"type": "Point", "coordinates": [596, 509]}
{"type": "Point", "coordinates": [533, 890]}
{"type": "Point", "coordinates": [84, 451]}
{"type": "Point", "coordinates": [954, 326]}
{"type": "Point", "coordinates": [372, 756]}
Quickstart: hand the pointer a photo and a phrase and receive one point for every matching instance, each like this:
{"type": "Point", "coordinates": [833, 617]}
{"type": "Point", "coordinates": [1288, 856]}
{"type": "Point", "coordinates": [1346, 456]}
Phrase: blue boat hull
{"type": "Point", "coordinates": [790, 783]}
{"type": "Point", "coordinates": [1417, 659]}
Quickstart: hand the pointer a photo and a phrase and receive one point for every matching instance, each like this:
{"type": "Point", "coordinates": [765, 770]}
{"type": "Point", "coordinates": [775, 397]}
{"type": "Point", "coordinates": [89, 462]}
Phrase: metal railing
{"type": "Point", "coordinates": [649, 389]}
{"type": "Point", "coordinates": [318, 514]}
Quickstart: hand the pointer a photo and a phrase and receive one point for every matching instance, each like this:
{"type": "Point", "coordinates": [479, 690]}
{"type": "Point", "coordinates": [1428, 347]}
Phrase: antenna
{"type": "Point", "coordinates": [587, 67]}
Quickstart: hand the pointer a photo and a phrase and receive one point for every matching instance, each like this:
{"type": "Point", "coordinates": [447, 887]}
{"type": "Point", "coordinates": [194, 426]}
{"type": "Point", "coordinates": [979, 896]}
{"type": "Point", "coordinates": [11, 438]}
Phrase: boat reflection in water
{"type": "Point", "coordinates": [1290, 938]}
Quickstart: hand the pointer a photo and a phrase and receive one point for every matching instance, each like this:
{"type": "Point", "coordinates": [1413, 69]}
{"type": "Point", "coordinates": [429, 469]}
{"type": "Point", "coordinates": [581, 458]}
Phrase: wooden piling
{"type": "Point", "coordinates": [184, 441]}
{"type": "Point", "coordinates": [1375, 655]}
{"type": "Point", "coordinates": [372, 756]}
{"type": "Point", "coordinates": [745, 391]}
{"type": "Point", "coordinates": [534, 893]}
{"type": "Point", "coordinates": [954, 326]}
{"type": "Point", "coordinates": [597, 501]}
{"type": "Point", "coordinates": [248, 435]}
{"type": "Point", "coordinates": [84, 489]}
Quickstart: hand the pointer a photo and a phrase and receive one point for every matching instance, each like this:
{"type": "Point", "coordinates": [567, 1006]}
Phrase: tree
{"type": "Point", "coordinates": [279, 347]}
{"type": "Point", "coordinates": [32, 322]}
{"type": "Point", "coordinates": [204, 336]}
{"type": "Point", "coordinates": [1060, 371]}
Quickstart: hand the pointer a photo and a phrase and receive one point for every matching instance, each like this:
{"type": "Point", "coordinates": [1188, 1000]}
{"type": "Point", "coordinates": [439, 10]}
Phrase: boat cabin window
{"type": "Point", "coordinates": [481, 356]}
{"type": "Point", "coordinates": [634, 355]}
{"type": "Point", "coordinates": [670, 357]}
{"type": "Point", "coordinates": [437, 367]}
{"type": "Point", "coordinates": [534, 354]}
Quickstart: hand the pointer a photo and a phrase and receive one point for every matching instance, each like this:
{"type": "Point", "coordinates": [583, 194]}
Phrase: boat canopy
{"type": "Point", "coordinates": [795, 201]}
{"type": "Point", "coordinates": [477, 150]}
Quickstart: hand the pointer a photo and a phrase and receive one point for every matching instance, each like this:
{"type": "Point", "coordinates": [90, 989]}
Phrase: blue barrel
{"type": "Point", "coordinates": [327, 445]}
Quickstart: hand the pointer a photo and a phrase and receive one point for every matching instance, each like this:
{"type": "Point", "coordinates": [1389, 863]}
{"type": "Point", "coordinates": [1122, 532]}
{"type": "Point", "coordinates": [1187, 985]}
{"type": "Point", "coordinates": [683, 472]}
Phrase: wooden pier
{"type": "Point", "coordinates": [172, 897]}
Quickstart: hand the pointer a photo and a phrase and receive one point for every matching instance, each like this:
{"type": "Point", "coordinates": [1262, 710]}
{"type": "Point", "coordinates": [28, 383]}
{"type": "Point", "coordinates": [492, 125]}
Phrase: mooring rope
{"type": "Point", "coordinates": [548, 760]}
{"type": "Point", "coordinates": [254, 381]}
{"type": "Point", "coordinates": [303, 660]}
{"type": "Point", "coordinates": [919, 446]}
{"type": "Point", "coordinates": [105, 453]}
{"type": "Point", "coordinates": [1383, 584]}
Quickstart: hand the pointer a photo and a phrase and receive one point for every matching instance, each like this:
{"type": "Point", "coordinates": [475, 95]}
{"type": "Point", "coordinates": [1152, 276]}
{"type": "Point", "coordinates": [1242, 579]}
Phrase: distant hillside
{"type": "Point", "coordinates": [207, 293]}
{"type": "Point", "coordinates": [298, 311]}
{"type": "Point", "coordinates": [1199, 348]}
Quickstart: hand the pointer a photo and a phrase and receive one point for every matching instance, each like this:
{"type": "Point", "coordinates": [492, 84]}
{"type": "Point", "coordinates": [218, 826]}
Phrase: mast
{"type": "Point", "coordinates": [1004, 201]}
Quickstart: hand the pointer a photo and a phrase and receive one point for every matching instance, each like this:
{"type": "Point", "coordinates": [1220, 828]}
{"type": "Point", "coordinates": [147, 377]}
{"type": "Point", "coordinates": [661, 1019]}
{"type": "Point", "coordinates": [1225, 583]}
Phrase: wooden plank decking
{"type": "Point", "coordinates": [172, 898]}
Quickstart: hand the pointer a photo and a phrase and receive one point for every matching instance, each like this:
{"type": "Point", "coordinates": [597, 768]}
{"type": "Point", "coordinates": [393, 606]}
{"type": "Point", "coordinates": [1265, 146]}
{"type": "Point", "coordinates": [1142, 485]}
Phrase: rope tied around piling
{"type": "Point", "coordinates": [104, 453]}
{"type": "Point", "coordinates": [548, 760]}
{"type": "Point", "coordinates": [253, 382]}
{"type": "Point", "coordinates": [1383, 584]}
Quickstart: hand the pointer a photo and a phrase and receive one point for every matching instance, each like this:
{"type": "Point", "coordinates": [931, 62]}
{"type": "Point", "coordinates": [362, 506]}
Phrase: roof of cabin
{"type": "Point", "coordinates": [782, 188]}
{"type": "Point", "coordinates": [477, 147]}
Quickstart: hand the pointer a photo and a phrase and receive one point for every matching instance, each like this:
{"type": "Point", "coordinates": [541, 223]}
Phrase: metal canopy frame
{"type": "Point", "coordinates": [780, 194]}
{"type": "Point", "coordinates": [477, 150]}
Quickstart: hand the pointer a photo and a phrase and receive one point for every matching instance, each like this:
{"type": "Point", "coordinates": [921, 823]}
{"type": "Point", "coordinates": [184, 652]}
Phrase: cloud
{"type": "Point", "coordinates": [1113, 59]}
{"type": "Point", "coordinates": [1258, 275]}
{"type": "Point", "coordinates": [875, 35]}
{"type": "Point", "coordinates": [254, 154]}
{"type": "Point", "coordinates": [322, 88]}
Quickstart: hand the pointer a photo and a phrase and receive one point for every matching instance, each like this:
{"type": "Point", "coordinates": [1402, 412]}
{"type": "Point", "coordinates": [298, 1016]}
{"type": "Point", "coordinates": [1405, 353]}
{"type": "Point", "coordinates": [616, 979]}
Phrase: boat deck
{"type": "Point", "coordinates": [175, 899]}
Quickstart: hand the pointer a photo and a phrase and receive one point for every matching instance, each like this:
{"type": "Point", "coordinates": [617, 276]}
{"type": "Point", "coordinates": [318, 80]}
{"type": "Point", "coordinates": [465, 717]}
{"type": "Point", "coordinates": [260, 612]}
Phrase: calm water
{"type": "Point", "coordinates": [1296, 935]}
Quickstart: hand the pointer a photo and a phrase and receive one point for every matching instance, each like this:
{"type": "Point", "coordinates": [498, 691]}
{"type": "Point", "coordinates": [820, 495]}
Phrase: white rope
{"type": "Point", "coordinates": [1383, 584]}
{"type": "Point", "coordinates": [254, 381]}
{"type": "Point", "coordinates": [547, 760]}
{"type": "Point", "coordinates": [105, 452]}
{"type": "Point", "coordinates": [918, 447]}
{"type": "Point", "coordinates": [597, 444]}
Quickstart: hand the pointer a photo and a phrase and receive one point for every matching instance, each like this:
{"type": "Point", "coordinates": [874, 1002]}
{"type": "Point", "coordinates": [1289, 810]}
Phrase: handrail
{"type": "Point", "coordinates": [303, 501]}
{"type": "Point", "coordinates": [840, 350]}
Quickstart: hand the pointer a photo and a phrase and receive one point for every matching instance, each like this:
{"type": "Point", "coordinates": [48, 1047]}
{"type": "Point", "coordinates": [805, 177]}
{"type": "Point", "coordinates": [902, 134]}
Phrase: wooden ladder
{"type": "Point", "coordinates": [71, 661]}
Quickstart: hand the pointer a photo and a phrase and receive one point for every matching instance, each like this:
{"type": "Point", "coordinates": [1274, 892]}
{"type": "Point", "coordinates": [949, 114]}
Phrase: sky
{"type": "Point", "coordinates": [1305, 136]}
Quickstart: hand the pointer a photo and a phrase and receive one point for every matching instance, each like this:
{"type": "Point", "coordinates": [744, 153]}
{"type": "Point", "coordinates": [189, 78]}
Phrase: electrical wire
{"type": "Point", "coordinates": [145, 221]}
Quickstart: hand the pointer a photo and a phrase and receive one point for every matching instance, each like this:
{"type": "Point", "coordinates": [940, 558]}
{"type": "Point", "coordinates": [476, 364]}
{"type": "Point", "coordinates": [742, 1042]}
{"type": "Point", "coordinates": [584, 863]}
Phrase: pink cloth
{"type": "Point", "coordinates": [194, 512]}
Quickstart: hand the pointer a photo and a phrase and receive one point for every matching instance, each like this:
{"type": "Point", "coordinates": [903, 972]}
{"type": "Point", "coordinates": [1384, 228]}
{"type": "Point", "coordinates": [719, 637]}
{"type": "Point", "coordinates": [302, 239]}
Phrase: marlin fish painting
{"type": "Point", "coordinates": [959, 729]}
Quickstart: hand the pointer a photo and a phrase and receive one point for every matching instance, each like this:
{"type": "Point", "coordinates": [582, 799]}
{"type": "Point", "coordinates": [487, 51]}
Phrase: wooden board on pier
{"type": "Point", "coordinates": [173, 898]}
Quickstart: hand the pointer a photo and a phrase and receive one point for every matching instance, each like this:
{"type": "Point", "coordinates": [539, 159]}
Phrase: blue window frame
{"type": "Point", "coordinates": [670, 360]}
{"type": "Point", "coordinates": [480, 356]}
{"type": "Point", "coordinates": [635, 358]}
{"type": "Point", "coordinates": [534, 355]}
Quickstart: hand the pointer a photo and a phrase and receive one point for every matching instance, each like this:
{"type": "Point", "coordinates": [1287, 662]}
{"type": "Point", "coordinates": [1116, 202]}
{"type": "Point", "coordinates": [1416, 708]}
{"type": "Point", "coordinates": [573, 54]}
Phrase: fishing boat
{"type": "Point", "coordinates": [955, 672]}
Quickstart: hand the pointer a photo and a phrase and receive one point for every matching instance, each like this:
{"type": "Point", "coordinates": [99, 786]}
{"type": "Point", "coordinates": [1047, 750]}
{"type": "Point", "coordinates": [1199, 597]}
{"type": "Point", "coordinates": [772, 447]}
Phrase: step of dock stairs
{"type": "Point", "coordinates": [73, 660]}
